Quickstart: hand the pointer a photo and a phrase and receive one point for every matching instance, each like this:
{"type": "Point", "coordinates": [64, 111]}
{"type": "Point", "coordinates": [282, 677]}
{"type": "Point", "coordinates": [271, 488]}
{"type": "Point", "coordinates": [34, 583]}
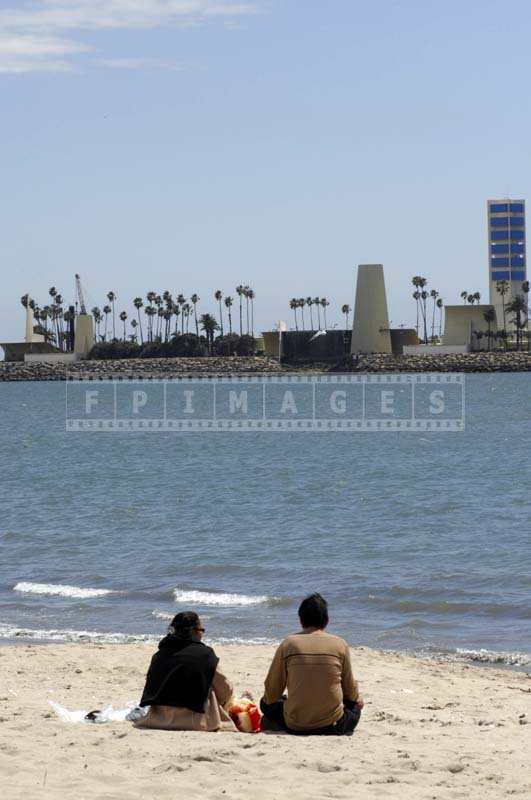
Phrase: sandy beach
{"type": "Point", "coordinates": [429, 730]}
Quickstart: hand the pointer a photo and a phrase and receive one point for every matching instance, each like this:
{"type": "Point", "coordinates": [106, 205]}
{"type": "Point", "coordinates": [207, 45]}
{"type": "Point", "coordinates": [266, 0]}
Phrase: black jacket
{"type": "Point", "coordinates": [180, 674]}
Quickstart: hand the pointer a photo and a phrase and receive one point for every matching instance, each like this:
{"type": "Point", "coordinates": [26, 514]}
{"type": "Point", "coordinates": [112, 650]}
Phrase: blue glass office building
{"type": "Point", "coordinates": [507, 252]}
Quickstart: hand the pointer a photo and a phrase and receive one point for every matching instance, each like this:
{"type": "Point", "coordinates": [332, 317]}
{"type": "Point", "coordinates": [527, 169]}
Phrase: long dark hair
{"type": "Point", "coordinates": [183, 625]}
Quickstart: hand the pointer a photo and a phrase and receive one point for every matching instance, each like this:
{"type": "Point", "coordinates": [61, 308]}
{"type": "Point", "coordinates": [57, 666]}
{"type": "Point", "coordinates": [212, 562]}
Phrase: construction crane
{"type": "Point", "coordinates": [79, 293]}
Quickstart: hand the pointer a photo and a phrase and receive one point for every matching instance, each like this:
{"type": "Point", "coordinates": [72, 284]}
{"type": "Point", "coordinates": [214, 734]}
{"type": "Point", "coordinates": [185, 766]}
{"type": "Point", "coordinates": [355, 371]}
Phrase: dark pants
{"type": "Point", "coordinates": [274, 720]}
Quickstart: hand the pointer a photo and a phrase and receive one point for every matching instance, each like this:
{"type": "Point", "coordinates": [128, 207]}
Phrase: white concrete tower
{"type": "Point", "coordinates": [370, 329]}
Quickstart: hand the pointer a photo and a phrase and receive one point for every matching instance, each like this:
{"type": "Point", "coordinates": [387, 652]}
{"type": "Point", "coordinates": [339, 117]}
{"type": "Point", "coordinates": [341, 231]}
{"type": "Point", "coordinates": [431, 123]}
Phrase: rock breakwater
{"type": "Point", "coordinates": [146, 368]}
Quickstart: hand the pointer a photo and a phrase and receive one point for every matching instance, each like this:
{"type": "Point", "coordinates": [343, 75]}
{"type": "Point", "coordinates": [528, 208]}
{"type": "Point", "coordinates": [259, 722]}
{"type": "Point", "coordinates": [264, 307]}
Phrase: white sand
{"type": "Point", "coordinates": [428, 731]}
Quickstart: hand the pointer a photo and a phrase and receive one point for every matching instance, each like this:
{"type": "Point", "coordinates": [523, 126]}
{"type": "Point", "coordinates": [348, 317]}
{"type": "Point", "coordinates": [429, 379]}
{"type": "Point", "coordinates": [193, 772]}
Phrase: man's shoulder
{"type": "Point", "coordinates": [302, 641]}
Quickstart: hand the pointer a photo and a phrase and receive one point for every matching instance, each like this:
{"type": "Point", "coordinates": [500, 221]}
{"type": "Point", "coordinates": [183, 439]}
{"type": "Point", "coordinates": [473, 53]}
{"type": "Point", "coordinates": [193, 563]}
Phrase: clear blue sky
{"type": "Point", "coordinates": [196, 145]}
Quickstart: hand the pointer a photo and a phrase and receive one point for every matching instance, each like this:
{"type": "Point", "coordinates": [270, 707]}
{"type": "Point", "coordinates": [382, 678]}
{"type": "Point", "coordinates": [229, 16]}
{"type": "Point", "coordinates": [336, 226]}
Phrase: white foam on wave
{"type": "Point", "coordinates": [162, 615]}
{"type": "Point", "coordinates": [219, 598]}
{"type": "Point", "coordinates": [97, 637]}
{"type": "Point", "coordinates": [13, 632]}
{"type": "Point", "coordinates": [492, 657]}
{"type": "Point", "coordinates": [59, 590]}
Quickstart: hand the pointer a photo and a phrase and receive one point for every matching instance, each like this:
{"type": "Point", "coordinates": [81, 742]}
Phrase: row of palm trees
{"type": "Point", "coordinates": [168, 316]}
{"type": "Point", "coordinates": [421, 295]}
{"type": "Point", "coordinates": [165, 316]}
{"type": "Point", "coordinates": [300, 303]}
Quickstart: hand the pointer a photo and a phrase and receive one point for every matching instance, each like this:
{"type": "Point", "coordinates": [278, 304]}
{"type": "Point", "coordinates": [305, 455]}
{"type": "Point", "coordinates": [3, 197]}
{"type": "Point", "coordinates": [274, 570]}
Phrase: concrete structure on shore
{"type": "Point", "coordinates": [370, 329]}
{"type": "Point", "coordinates": [34, 342]}
{"type": "Point", "coordinates": [84, 335]}
{"type": "Point", "coordinates": [36, 348]}
{"type": "Point", "coordinates": [462, 323]}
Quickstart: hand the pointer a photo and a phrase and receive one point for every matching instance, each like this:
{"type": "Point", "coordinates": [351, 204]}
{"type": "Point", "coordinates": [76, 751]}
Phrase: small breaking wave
{"type": "Point", "coordinates": [223, 599]}
{"type": "Point", "coordinates": [59, 590]}
{"type": "Point", "coordinates": [96, 637]}
{"type": "Point", "coordinates": [492, 657]}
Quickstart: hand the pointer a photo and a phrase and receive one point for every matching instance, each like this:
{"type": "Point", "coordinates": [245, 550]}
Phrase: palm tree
{"type": "Point", "coordinates": [210, 326]}
{"type": "Point", "coordinates": [317, 302]}
{"type": "Point", "coordinates": [134, 325]}
{"type": "Point", "coordinates": [423, 298]}
{"type": "Point", "coordinates": [324, 303]}
{"type": "Point", "coordinates": [168, 314]}
{"type": "Point", "coordinates": [195, 300]}
{"type": "Point", "coordinates": [68, 317]}
{"type": "Point", "coordinates": [440, 305]}
{"type": "Point", "coordinates": [489, 316]}
{"type": "Point", "coordinates": [416, 296]}
{"type": "Point", "coordinates": [176, 312]}
{"type": "Point", "coordinates": [228, 305]}
{"type": "Point", "coordinates": [525, 289]}
{"type": "Point", "coordinates": [518, 307]}
{"type": "Point", "coordinates": [123, 317]}
{"type": "Point", "coordinates": [160, 315]}
{"type": "Point", "coordinates": [138, 303]}
{"type": "Point", "coordinates": [345, 309]}
{"type": "Point", "coordinates": [187, 310]}
{"type": "Point", "coordinates": [219, 297]}
{"type": "Point", "coordinates": [159, 311]}
{"type": "Point", "coordinates": [58, 313]}
{"type": "Point", "coordinates": [464, 297]}
{"type": "Point", "coordinates": [301, 303]}
{"type": "Point", "coordinates": [309, 303]}
{"type": "Point", "coordinates": [106, 310]}
{"type": "Point", "coordinates": [111, 297]}
{"type": "Point", "coordinates": [251, 295]}
{"type": "Point", "coordinates": [419, 283]}
{"type": "Point", "coordinates": [240, 291]}
{"type": "Point", "coordinates": [293, 304]}
{"type": "Point", "coordinates": [150, 312]}
{"type": "Point", "coordinates": [44, 316]}
{"type": "Point", "coordinates": [246, 291]}
{"type": "Point", "coordinates": [96, 313]}
{"type": "Point", "coordinates": [503, 287]}
{"type": "Point", "coordinates": [477, 297]}
{"type": "Point", "coordinates": [434, 294]}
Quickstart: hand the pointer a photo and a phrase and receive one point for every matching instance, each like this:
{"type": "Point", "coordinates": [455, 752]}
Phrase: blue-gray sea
{"type": "Point", "coordinates": [419, 541]}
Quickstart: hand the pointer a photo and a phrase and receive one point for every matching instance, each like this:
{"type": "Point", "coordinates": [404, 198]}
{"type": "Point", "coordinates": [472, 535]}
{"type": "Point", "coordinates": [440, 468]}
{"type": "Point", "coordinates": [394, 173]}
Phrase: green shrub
{"type": "Point", "coordinates": [246, 346]}
{"type": "Point", "coordinates": [115, 349]}
{"type": "Point", "coordinates": [226, 345]}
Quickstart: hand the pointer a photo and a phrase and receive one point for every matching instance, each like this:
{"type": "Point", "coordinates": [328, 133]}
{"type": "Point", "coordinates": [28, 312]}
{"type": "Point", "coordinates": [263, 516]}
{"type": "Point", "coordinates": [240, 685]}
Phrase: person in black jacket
{"type": "Point", "coordinates": [184, 688]}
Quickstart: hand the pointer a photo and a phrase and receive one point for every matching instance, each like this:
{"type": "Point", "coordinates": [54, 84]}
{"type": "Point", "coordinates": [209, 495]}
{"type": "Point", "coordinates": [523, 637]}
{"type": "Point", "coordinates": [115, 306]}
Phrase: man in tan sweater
{"type": "Point", "coordinates": [314, 667]}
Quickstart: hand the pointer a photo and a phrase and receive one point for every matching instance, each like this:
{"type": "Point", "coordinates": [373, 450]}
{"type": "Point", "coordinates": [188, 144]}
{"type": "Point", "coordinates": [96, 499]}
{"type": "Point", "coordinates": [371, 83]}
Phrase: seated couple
{"type": "Point", "coordinates": [186, 691]}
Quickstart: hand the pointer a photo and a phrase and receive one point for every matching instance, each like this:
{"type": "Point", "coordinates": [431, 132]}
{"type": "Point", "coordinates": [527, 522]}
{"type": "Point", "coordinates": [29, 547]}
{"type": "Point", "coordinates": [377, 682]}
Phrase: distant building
{"type": "Point", "coordinates": [370, 329]}
{"type": "Point", "coordinates": [507, 251]}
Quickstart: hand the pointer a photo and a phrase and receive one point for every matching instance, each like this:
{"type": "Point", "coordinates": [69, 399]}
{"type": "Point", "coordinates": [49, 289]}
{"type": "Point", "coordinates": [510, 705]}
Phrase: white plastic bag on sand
{"type": "Point", "coordinates": [68, 716]}
{"type": "Point", "coordinates": [107, 714]}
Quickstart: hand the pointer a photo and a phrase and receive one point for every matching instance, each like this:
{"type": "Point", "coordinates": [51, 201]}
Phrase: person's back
{"type": "Point", "coordinates": [314, 667]}
{"type": "Point", "coordinates": [318, 677]}
{"type": "Point", "coordinates": [184, 688]}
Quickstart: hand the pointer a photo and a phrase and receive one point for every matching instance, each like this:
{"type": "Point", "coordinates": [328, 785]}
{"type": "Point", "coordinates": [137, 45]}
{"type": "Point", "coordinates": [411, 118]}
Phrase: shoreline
{"type": "Point", "coordinates": [236, 366]}
{"type": "Point", "coordinates": [428, 729]}
{"type": "Point", "coordinates": [512, 661]}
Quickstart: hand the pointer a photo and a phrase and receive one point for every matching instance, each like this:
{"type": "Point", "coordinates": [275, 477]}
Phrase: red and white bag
{"type": "Point", "coordinates": [246, 716]}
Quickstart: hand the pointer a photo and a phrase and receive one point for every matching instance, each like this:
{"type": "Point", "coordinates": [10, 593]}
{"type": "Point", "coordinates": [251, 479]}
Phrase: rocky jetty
{"type": "Point", "coordinates": [457, 362]}
{"type": "Point", "coordinates": [144, 368]}
{"type": "Point", "coordinates": [152, 368]}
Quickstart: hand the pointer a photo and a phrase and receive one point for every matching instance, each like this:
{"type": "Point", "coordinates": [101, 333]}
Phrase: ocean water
{"type": "Point", "coordinates": [419, 541]}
